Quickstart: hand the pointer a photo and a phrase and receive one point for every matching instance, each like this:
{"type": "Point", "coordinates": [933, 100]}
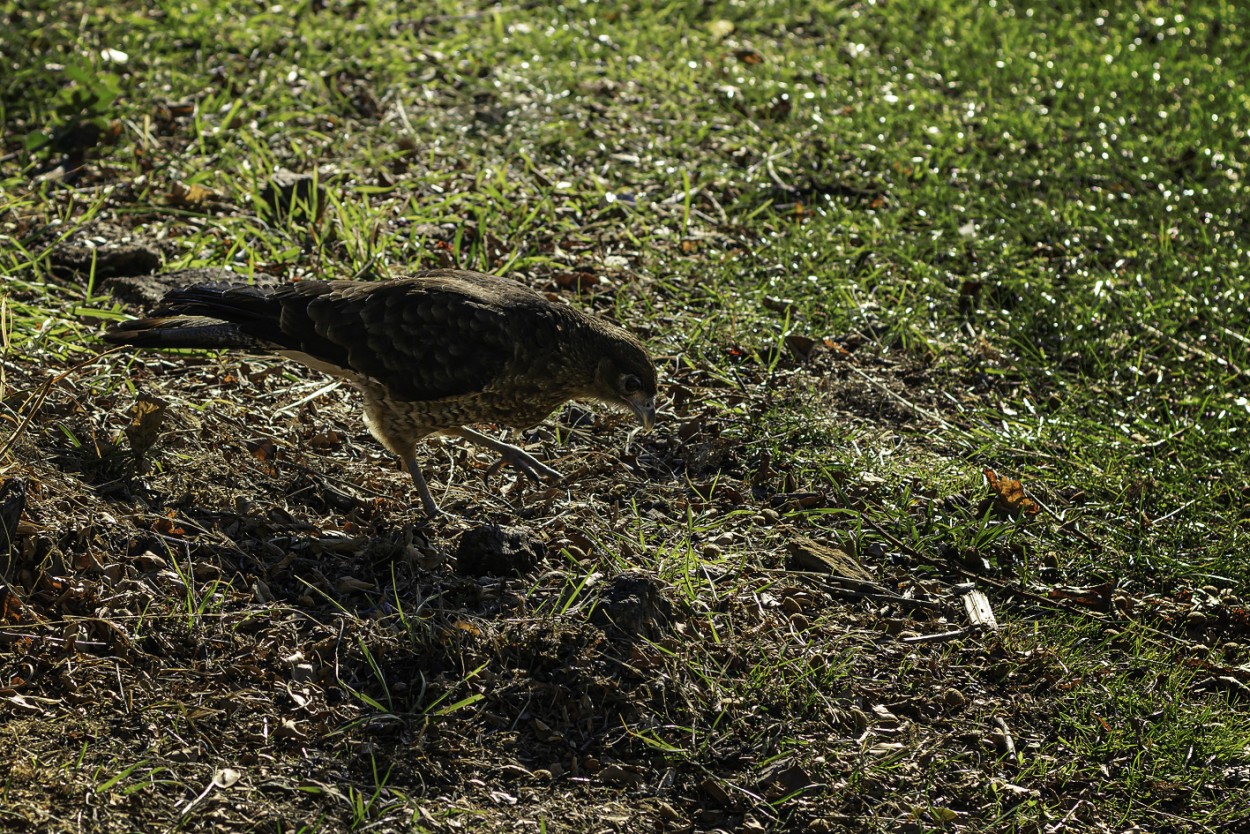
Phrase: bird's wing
{"type": "Point", "coordinates": [441, 333]}
{"type": "Point", "coordinates": [420, 340]}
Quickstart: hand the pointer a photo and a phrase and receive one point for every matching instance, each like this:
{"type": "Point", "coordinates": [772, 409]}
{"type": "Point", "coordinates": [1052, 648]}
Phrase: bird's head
{"type": "Point", "coordinates": [626, 376]}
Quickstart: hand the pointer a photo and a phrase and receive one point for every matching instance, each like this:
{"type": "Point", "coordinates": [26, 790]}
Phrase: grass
{"type": "Point", "coordinates": [877, 248]}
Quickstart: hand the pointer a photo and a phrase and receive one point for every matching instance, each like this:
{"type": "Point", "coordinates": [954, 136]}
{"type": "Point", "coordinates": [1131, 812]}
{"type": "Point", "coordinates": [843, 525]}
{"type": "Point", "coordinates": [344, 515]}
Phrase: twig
{"type": "Point", "coordinates": [942, 637]}
{"type": "Point", "coordinates": [14, 637]}
{"type": "Point", "coordinates": [325, 389]}
{"type": "Point", "coordinates": [862, 590]}
{"type": "Point", "coordinates": [1009, 743]}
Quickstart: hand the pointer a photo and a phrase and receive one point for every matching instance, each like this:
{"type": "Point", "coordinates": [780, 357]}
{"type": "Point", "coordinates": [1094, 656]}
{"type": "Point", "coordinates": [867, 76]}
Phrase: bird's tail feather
{"type": "Point", "coordinates": [184, 332]}
{"type": "Point", "coordinates": [215, 316]}
{"type": "Point", "coordinates": [238, 303]}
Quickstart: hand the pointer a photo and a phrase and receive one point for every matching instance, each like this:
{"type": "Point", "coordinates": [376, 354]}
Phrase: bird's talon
{"type": "Point", "coordinates": [525, 463]}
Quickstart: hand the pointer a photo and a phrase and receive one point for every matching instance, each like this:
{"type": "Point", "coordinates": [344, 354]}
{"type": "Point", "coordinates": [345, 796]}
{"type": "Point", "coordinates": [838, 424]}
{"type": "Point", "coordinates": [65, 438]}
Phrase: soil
{"type": "Point", "coordinates": [235, 617]}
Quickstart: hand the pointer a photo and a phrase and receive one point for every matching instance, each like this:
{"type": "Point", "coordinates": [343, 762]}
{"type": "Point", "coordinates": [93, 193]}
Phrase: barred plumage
{"type": "Point", "coordinates": [433, 353]}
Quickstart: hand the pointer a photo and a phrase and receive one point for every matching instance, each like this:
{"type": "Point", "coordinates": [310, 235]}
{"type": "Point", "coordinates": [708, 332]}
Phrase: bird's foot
{"type": "Point", "coordinates": [524, 461]}
{"type": "Point", "coordinates": [509, 454]}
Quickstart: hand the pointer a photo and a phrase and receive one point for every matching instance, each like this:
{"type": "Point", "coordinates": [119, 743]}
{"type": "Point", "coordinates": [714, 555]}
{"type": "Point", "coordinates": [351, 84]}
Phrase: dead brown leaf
{"type": "Point", "coordinates": [263, 448]}
{"type": "Point", "coordinates": [801, 346]}
{"type": "Point", "coordinates": [168, 526]}
{"type": "Point", "coordinates": [193, 194]}
{"type": "Point", "coordinates": [147, 416]}
{"type": "Point", "coordinates": [1009, 496]}
{"type": "Point", "coordinates": [12, 611]}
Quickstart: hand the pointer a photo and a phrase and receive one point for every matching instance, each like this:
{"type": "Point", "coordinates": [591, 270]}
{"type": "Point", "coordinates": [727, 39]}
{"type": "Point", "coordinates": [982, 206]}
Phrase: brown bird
{"type": "Point", "coordinates": [432, 353]}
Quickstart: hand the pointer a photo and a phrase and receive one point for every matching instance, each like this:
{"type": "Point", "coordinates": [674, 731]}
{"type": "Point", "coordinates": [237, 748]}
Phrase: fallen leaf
{"type": "Point", "coordinates": [263, 448]}
{"type": "Point", "coordinates": [801, 346]}
{"type": "Point", "coordinates": [844, 346]}
{"type": "Point", "coordinates": [327, 439]}
{"type": "Point", "coordinates": [226, 777]}
{"type": "Point", "coordinates": [579, 280]}
{"type": "Point", "coordinates": [467, 627]}
{"type": "Point", "coordinates": [192, 194]}
{"type": "Point", "coordinates": [147, 416]}
{"type": "Point", "coordinates": [175, 109]}
{"type": "Point", "coordinates": [12, 611]}
{"type": "Point", "coordinates": [615, 774]}
{"type": "Point", "coordinates": [168, 526]}
{"type": "Point", "coordinates": [1092, 596]}
{"type": "Point", "coordinates": [1009, 497]}
{"type": "Point", "coordinates": [810, 555]}
{"type": "Point", "coordinates": [785, 779]}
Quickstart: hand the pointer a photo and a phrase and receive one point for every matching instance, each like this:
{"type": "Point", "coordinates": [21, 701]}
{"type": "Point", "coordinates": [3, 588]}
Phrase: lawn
{"type": "Point", "coordinates": [944, 522]}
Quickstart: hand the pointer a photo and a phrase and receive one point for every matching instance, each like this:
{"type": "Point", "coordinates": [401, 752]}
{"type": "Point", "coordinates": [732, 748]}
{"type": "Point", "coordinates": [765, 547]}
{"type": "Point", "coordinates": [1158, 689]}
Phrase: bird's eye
{"type": "Point", "coordinates": [631, 384]}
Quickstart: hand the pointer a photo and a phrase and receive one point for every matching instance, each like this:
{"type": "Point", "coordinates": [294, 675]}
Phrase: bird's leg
{"type": "Point", "coordinates": [431, 508]}
{"type": "Point", "coordinates": [509, 454]}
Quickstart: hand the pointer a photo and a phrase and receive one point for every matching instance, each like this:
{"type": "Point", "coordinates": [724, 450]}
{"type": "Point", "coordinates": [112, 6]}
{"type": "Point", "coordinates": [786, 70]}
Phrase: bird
{"type": "Point", "coordinates": [432, 353]}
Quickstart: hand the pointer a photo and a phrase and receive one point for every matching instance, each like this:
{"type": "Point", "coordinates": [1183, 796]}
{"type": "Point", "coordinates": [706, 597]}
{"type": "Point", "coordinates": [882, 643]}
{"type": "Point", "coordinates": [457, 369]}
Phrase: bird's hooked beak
{"type": "Point", "coordinates": [644, 408]}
